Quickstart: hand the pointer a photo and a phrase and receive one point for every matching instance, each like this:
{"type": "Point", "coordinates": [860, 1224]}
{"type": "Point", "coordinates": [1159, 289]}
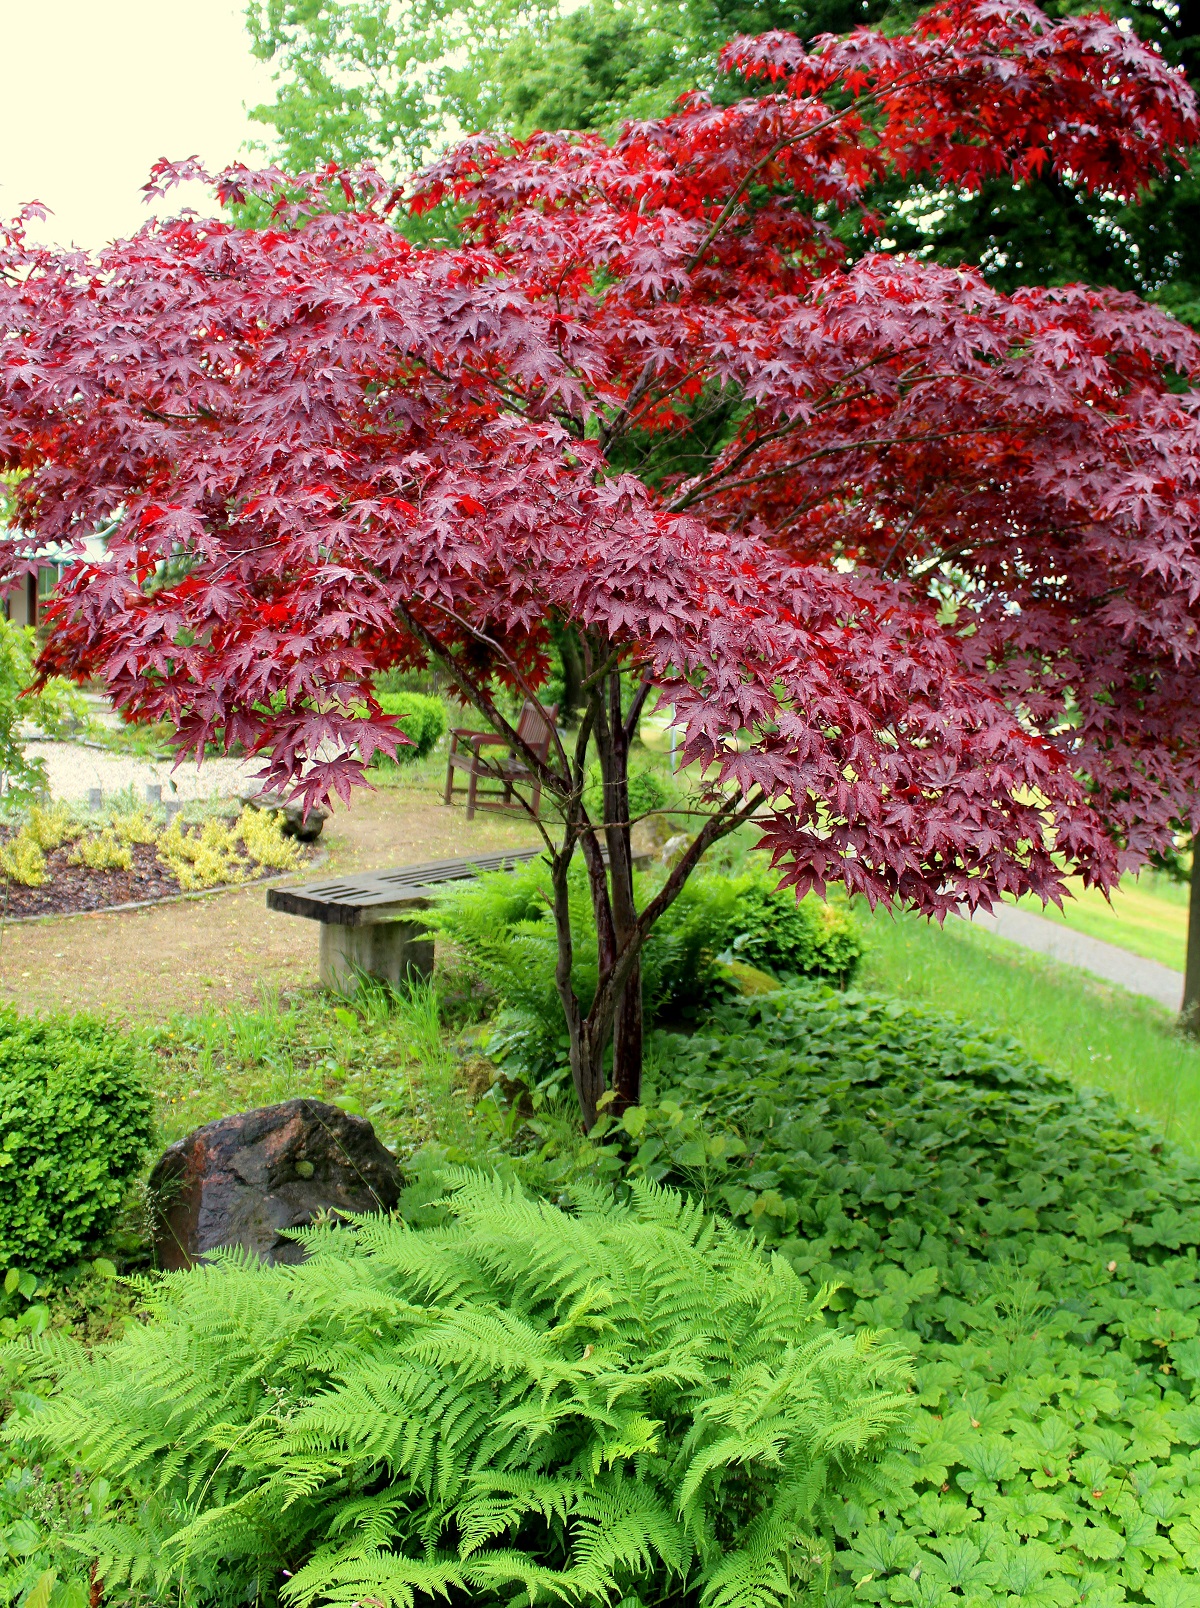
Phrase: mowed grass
{"type": "Point", "coordinates": [1148, 915]}
{"type": "Point", "coordinates": [1099, 1035]}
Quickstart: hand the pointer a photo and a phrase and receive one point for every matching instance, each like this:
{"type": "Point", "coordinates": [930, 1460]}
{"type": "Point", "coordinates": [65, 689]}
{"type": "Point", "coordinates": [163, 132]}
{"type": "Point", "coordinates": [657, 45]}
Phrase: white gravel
{"type": "Point", "coordinates": [74, 770]}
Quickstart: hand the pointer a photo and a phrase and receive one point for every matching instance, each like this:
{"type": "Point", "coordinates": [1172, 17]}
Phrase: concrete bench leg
{"type": "Point", "coordinates": [392, 952]}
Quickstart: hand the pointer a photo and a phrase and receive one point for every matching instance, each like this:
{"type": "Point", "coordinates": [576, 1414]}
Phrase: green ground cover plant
{"type": "Point", "coordinates": [1098, 1034]}
{"type": "Point", "coordinates": [622, 1402]}
{"type": "Point", "coordinates": [1034, 1244]}
{"type": "Point", "coordinates": [1031, 1246]}
{"type": "Point", "coordinates": [75, 1127]}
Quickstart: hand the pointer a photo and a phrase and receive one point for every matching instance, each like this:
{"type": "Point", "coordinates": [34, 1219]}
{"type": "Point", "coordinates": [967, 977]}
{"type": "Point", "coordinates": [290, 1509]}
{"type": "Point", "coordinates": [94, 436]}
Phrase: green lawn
{"type": "Point", "coordinates": [1097, 1034]}
{"type": "Point", "coordinates": [1148, 915]}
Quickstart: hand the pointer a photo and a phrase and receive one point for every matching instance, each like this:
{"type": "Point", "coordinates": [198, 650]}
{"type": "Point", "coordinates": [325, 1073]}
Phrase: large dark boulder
{"type": "Point", "coordinates": [242, 1180]}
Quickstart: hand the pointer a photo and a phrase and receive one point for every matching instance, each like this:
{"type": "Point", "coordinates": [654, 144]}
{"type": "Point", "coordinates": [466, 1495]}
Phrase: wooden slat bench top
{"type": "Point", "coordinates": [363, 901]}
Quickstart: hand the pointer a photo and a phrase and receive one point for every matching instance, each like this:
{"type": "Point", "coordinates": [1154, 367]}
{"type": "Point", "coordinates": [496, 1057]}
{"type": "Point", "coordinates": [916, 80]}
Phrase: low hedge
{"type": "Point", "coordinates": [422, 719]}
{"type": "Point", "coordinates": [75, 1126]}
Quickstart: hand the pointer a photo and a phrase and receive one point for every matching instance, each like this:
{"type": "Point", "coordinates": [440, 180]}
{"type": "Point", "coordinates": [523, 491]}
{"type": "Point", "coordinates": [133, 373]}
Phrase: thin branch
{"type": "Point", "coordinates": [497, 648]}
{"type": "Point", "coordinates": [715, 484]}
{"type": "Point", "coordinates": [486, 706]}
{"type": "Point", "coordinates": [636, 706]}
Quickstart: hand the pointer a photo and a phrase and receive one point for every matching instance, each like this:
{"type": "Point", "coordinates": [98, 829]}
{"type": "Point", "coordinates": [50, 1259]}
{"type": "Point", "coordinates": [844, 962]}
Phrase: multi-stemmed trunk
{"type": "Point", "coordinates": [613, 1019]}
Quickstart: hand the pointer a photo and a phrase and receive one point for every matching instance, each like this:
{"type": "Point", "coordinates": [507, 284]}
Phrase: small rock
{"type": "Point", "coordinates": [244, 1179]}
{"type": "Point", "coordinates": [305, 828]}
{"type": "Point", "coordinates": [674, 848]}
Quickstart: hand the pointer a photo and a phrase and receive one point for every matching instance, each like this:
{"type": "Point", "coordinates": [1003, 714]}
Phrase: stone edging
{"type": "Point", "coordinates": [155, 904]}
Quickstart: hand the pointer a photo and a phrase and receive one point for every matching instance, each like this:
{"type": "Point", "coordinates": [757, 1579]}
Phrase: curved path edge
{"type": "Point", "coordinates": [1115, 965]}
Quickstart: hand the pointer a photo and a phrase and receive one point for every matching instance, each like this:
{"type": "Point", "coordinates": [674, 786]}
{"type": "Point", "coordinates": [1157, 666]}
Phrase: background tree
{"type": "Point", "coordinates": [367, 80]}
{"type": "Point", "coordinates": [924, 592]}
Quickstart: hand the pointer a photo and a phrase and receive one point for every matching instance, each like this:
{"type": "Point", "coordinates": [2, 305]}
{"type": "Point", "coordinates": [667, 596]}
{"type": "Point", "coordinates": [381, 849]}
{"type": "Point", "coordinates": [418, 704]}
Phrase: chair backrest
{"type": "Point", "coordinates": [536, 726]}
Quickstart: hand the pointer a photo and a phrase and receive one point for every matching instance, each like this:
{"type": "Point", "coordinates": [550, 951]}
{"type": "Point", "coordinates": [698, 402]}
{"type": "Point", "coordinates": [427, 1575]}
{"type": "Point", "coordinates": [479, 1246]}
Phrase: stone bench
{"type": "Point", "coordinates": [369, 924]}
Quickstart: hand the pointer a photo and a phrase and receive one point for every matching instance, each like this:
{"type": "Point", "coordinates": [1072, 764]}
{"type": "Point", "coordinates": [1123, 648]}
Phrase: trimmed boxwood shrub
{"type": "Point", "coordinates": [75, 1124]}
{"type": "Point", "coordinates": [423, 719]}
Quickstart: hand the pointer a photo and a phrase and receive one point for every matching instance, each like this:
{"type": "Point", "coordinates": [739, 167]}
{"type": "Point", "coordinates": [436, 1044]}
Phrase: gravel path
{"type": "Point", "coordinates": [1115, 965]}
{"type": "Point", "coordinates": [74, 770]}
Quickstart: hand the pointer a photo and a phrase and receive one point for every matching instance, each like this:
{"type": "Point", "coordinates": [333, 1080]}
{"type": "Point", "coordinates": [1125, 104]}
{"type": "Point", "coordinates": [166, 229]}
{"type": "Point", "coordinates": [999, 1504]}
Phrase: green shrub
{"type": "Point", "coordinates": [56, 708]}
{"type": "Point", "coordinates": [422, 719]}
{"type": "Point", "coordinates": [752, 920]}
{"type": "Point", "coordinates": [805, 938]}
{"type": "Point", "coordinates": [648, 791]}
{"type": "Point", "coordinates": [622, 1403]}
{"type": "Point", "coordinates": [1035, 1245]}
{"type": "Point", "coordinates": [74, 1129]}
{"type": "Point", "coordinates": [22, 860]}
{"type": "Point", "coordinates": [501, 926]}
{"type": "Point", "coordinates": [102, 851]}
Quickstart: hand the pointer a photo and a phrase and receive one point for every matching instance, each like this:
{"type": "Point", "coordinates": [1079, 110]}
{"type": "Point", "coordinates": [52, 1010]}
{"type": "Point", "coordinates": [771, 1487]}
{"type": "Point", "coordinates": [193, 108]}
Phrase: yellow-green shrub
{"type": "Point", "coordinates": [262, 834]}
{"type": "Point", "coordinates": [135, 827]}
{"type": "Point", "coordinates": [22, 860]}
{"type": "Point", "coordinates": [203, 859]}
{"type": "Point", "coordinates": [103, 851]}
{"type": "Point", "coordinates": [49, 827]}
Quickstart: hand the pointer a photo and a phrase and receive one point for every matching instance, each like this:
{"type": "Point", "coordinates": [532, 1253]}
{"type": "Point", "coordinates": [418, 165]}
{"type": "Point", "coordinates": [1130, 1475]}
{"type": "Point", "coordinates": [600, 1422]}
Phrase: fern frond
{"type": "Point", "coordinates": [572, 1407]}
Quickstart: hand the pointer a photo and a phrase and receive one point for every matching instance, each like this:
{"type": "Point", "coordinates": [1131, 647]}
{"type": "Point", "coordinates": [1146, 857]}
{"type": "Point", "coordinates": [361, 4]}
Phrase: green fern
{"type": "Point", "coordinates": [596, 1405]}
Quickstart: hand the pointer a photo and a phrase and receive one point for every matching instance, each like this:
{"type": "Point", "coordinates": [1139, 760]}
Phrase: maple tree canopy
{"type": "Point", "coordinates": [917, 563]}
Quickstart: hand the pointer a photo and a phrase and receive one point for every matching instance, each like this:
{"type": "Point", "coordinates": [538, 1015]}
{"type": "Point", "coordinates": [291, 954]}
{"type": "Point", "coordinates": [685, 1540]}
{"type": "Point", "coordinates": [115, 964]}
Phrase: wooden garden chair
{"type": "Point", "coordinates": [535, 729]}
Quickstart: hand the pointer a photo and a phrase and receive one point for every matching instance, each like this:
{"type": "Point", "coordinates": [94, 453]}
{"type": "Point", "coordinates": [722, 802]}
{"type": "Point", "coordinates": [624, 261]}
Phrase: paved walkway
{"type": "Point", "coordinates": [1115, 965]}
{"type": "Point", "coordinates": [73, 770]}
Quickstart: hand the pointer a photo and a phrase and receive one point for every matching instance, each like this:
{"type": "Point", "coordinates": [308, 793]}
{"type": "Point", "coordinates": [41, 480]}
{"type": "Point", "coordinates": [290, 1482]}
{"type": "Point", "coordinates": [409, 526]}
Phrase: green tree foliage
{"type": "Point", "coordinates": [55, 707]}
{"type": "Point", "coordinates": [369, 79]}
{"type": "Point", "coordinates": [74, 1130]}
{"type": "Point", "coordinates": [378, 81]}
{"type": "Point", "coordinates": [618, 1403]}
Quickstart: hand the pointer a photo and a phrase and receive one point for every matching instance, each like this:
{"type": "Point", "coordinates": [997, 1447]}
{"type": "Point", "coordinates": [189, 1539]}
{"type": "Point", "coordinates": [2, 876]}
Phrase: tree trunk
{"type": "Point", "coordinates": [627, 1045]}
{"type": "Point", "coordinates": [613, 745]}
{"type": "Point", "coordinates": [1189, 1018]}
{"type": "Point", "coordinates": [566, 640]}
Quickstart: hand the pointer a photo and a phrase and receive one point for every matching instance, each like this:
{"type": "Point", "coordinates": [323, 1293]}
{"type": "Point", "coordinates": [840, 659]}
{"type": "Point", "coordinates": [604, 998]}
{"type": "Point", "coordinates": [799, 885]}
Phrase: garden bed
{"type": "Point", "coordinates": [75, 890]}
{"type": "Point", "coordinates": [72, 889]}
{"type": "Point", "coordinates": [185, 860]}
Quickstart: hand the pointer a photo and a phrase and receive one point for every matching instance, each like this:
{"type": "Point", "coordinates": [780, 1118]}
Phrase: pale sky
{"type": "Point", "coordinates": [93, 92]}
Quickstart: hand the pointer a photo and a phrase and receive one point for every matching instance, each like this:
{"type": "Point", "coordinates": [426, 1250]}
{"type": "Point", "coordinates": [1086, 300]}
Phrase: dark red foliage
{"type": "Point", "coordinates": [943, 563]}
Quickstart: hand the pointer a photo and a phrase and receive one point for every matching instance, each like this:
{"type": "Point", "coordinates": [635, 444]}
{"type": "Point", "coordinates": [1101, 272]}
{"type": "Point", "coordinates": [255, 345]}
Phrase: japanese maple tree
{"type": "Point", "coordinates": [917, 563]}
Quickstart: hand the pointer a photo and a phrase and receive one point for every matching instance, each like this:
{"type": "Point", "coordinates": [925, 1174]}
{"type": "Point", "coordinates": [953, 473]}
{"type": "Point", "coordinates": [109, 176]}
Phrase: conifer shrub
{"type": "Point", "coordinates": [266, 843]}
{"type": "Point", "coordinates": [74, 1130]}
{"type": "Point", "coordinates": [616, 1403]}
{"type": "Point", "coordinates": [135, 826]}
{"type": "Point", "coordinates": [52, 824]}
{"type": "Point", "coordinates": [22, 860]}
{"type": "Point", "coordinates": [102, 851]}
